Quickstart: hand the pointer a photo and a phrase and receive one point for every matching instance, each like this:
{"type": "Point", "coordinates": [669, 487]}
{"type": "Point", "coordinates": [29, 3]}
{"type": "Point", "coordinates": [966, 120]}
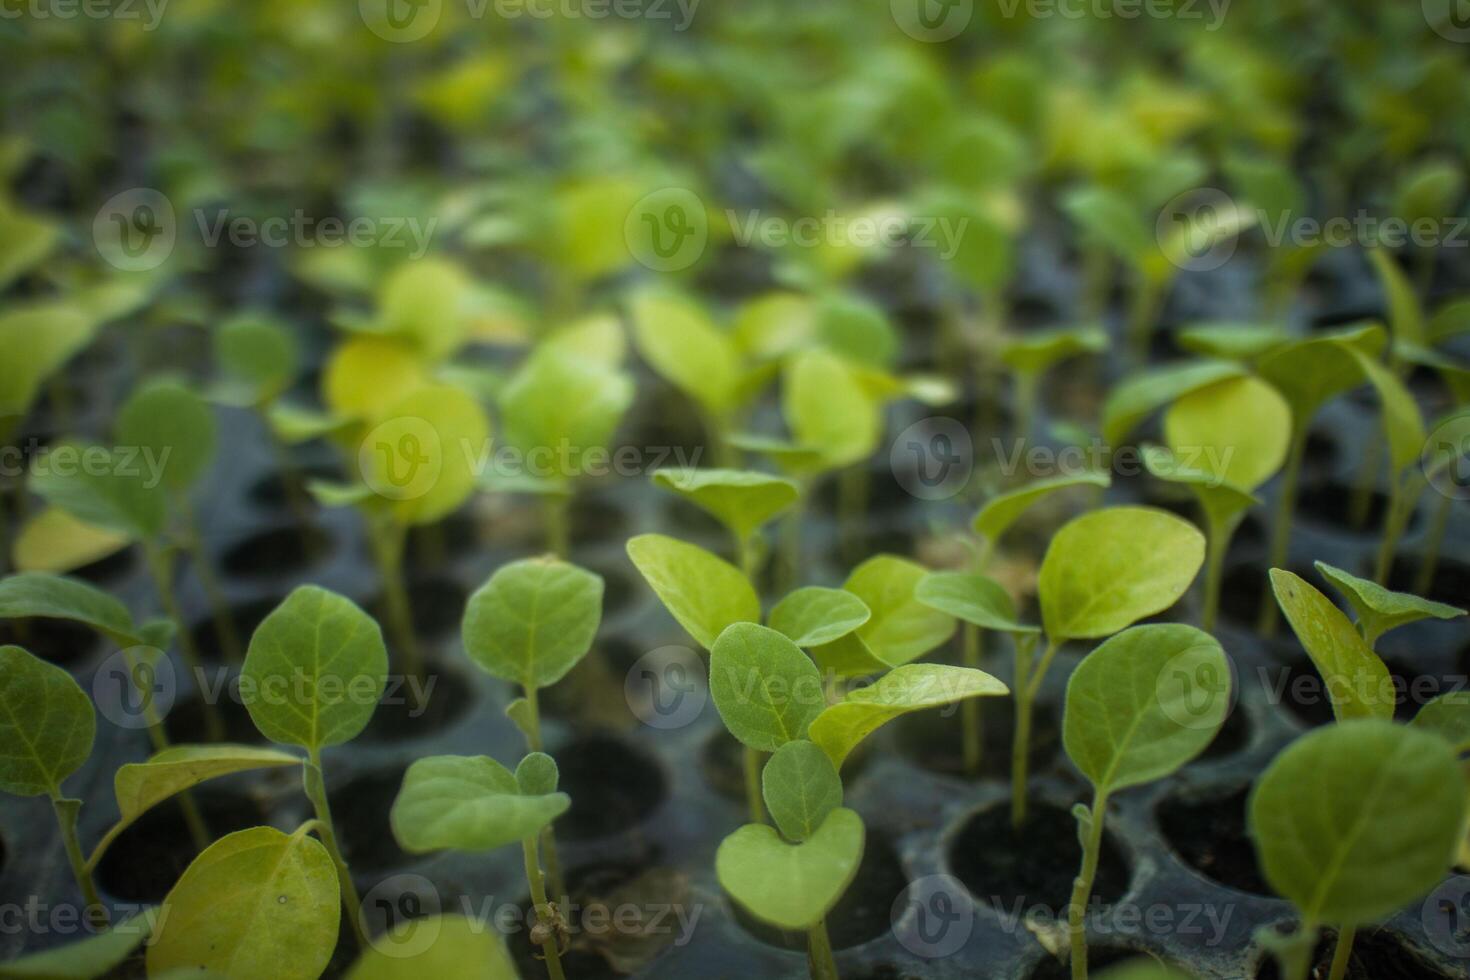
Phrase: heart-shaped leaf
{"type": "Point", "coordinates": [315, 670]}
{"type": "Point", "coordinates": [467, 803]}
{"type": "Point", "coordinates": [1000, 512]}
{"type": "Point", "coordinates": [742, 500]}
{"type": "Point", "coordinates": [791, 886]}
{"type": "Point", "coordinates": [47, 724]}
{"type": "Point", "coordinates": [1357, 681]}
{"type": "Point", "coordinates": [1144, 703]}
{"type": "Point", "coordinates": [170, 423]}
{"type": "Point", "coordinates": [533, 621]}
{"type": "Point", "coordinates": [436, 946]}
{"type": "Point", "coordinates": [257, 903]}
{"type": "Point", "coordinates": [1108, 569]}
{"type": "Point", "coordinates": [1448, 715]}
{"type": "Point", "coordinates": [1356, 820]}
{"type": "Point", "coordinates": [813, 616]}
{"type": "Point", "coordinates": [901, 629]}
{"type": "Point", "coordinates": [912, 687]}
{"type": "Point", "coordinates": [766, 690]}
{"type": "Point", "coordinates": [112, 487]}
{"type": "Point", "coordinates": [425, 301]}
{"type": "Point", "coordinates": [801, 787]}
{"type": "Point", "coordinates": [702, 592]}
{"type": "Point", "coordinates": [1380, 610]}
{"type": "Point", "coordinates": [1237, 430]}
{"type": "Point", "coordinates": [973, 598]}
{"type": "Point", "coordinates": [87, 959]}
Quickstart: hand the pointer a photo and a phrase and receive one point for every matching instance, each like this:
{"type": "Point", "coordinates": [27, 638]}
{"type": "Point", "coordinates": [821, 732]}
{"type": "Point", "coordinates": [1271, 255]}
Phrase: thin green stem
{"type": "Point", "coordinates": [1342, 953]}
{"type": "Point", "coordinates": [554, 513]}
{"type": "Point", "coordinates": [753, 798]}
{"type": "Point", "coordinates": [66, 819]}
{"type": "Point", "coordinates": [1082, 885]}
{"type": "Point", "coordinates": [545, 913]}
{"type": "Point", "coordinates": [852, 502]}
{"type": "Point", "coordinates": [535, 743]}
{"type": "Point", "coordinates": [1281, 525]}
{"type": "Point", "coordinates": [1400, 509]}
{"type": "Point", "coordinates": [387, 539]}
{"type": "Point", "coordinates": [193, 819]}
{"type": "Point", "coordinates": [1362, 496]}
{"type": "Point", "coordinates": [1434, 540]}
{"type": "Point", "coordinates": [224, 624]}
{"type": "Point", "coordinates": [973, 731]}
{"type": "Point", "coordinates": [1027, 389]}
{"type": "Point", "coordinates": [316, 792]}
{"type": "Point", "coordinates": [1218, 534]}
{"type": "Point", "coordinates": [161, 569]}
{"type": "Point", "coordinates": [819, 953]}
{"type": "Point", "coordinates": [1021, 742]}
{"type": "Point", "coordinates": [789, 565]}
{"type": "Point", "coordinates": [5, 518]}
{"type": "Point", "coordinates": [1143, 313]}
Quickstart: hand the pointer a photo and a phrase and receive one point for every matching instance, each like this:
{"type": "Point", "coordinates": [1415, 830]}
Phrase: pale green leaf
{"type": "Point", "coordinates": [680, 342]}
{"type": "Point", "coordinates": [1232, 341]}
{"type": "Point", "coordinates": [1403, 425]}
{"type": "Point", "coordinates": [1357, 681]}
{"type": "Point", "coordinates": [742, 500]}
{"type": "Point", "coordinates": [423, 455]}
{"type": "Point", "coordinates": [39, 594]}
{"type": "Point", "coordinates": [111, 487]}
{"type": "Point", "coordinates": [901, 629]}
{"type": "Point", "coordinates": [791, 886]}
{"type": "Point", "coordinates": [257, 352]}
{"type": "Point", "coordinates": [86, 959]}
{"type": "Point", "coordinates": [1405, 315]}
{"type": "Point", "coordinates": [47, 724]}
{"type": "Point", "coordinates": [55, 541]}
{"type": "Point", "coordinates": [1309, 373]}
{"type": "Point", "coordinates": [1139, 396]}
{"type": "Point", "coordinates": [533, 621]}
{"type": "Point", "coordinates": [766, 690]}
{"type": "Point", "coordinates": [1380, 610]}
{"type": "Point", "coordinates": [828, 408]}
{"type": "Point", "coordinates": [560, 407]}
{"type": "Point", "coordinates": [973, 598]}
{"type": "Point", "coordinates": [174, 425]}
{"type": "Point", "coordinates": [467, 803]}
{"type": "Point", "coordinates": [1238, 430]}
{"type": "Point", "coordinates": [460, 948]}
{"type": "Point", "coordinates": [702, 592]}
{"type": "Point", "coordinates": [801, 787]}
{"type": "Point", "coordinates": [1038, 351]}
{"type": "Point", "coordinates": [1001, 511]}
{"type": "Point", "coordinates": [1449, 716]}
{"type": "Point", "coordinates": [38, 339]}
{"type": "Point", "coordinates": [814, 616]}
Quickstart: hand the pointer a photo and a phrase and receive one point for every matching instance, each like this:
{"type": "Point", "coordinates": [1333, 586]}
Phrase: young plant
{"type": "Point", "coordinates": [473, 803]}
{"type": "Point", "coordinates": [1032, 355]}
{"type": "Point", "coordinates": [1103, 572]}
{"type": "Point", "coordinates": [742, 500]}
{"type": "Point", "coordinates": [1352, 822]}
{"type": "Point", "coordinates": [1403, 428]}
{"type": "Point", "coordinates": [1357, 681]}
{"type": "Point", "coordinates": [1134, 716]}
{"type": "Point", "coordinates": [1380, 610]}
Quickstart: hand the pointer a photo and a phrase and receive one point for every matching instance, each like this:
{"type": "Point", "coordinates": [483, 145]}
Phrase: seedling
{"type": "Point", "coordinates": [530, 624]}
{"type": "Point", "coordinates": [1380, 610]}
{"type": "Point", "coordinates": [473, 803]}
{"type": "Point", "coordinates": [742, 500]}
{"type": "Point", "coordinates": [1403, 428]}
{"type": "Point", "coordinates": [1357, 681]}
{"type": "Point", "coordinates": [1451, 433]}
{"type": "Point", "coordinates": [1279, 197]}
{"type": "Point", "coordinates": [1351, 823]}
{"type": "Point", "coordinates": [1030, 356]}
{"type": "Point", "coordinates": [1138, 708]}
{"type": "Point", "coordinates": [313, 675]}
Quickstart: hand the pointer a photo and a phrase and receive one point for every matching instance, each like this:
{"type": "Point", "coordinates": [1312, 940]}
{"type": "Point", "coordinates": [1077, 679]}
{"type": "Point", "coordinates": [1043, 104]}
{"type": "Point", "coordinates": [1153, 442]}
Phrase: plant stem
{"type": "Point", "coordinates": [1218, 543]}
{"type": "Point", "coordinates": [535, 743]}
{"type": "Point", "coordinates": [973, 732]}
{"type": "Point", "coordinates": [224, 624]}
{"type": "Point", "coordinates": [1362, 495]}
{"type": "Point", "coordinates": [819, 953]}
{"type": "Point", "coordinates": [1434, 540]}
{"type": "Point", "coordinates": [790, 545]}
{"type": "Point", "coordinates": [1400, 509]}
{"type": "Point", "coordinates": [1026, 392]}
{"type": "Point", "coordinates": [544, 913]}
{"type": "Point", "coordinates": [387, 538]}
{"type": "Point", "coordinates": [66, 818]}
{"type": "Point", "coordinates": [5, 531]}
{"type": "Point", "coordinates": [1082, 885]}
{"type": "Point", "coordinates": [852, 502]}
{"type": "Point", "coordinates": [554, 515]}
{"type": "Point", "coordinates": [316, 792]}
{"type": "Point", "coordinates": [161, 569]}
{"type": "Point", "coordinates": [753, 798]}
{"type": "Point", "coordinates": [193, 820]}
{"type": "Point", "coordinates": [1281, 525]}
{"type": "Point", "coordinates": [748, 556]}
{"type": "Point", "coordinates": [1020, 743]}
{"type": "Point", "coordinates": [1143, 313]}
{"type": "Point", "coordinates": [1343, 952]}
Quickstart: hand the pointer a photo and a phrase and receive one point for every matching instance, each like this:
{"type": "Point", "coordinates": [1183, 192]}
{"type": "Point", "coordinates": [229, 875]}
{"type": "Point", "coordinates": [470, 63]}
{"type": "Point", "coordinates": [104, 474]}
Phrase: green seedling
{"type": "Point", "coordinates": [457, 947]}
{"type": "Point", "coordinates": [900, 628]}
{"type": "Point", "coordinates": [742, 500]}
{"type": "Point", "coordinates": [530, 624]}
{"type": "Point", "coordinates": [1029, 357]}
{"type": "Point", "coordinates": [1279, 197]}
{"type": "Point", "coordinates": [473, 803]}
{"type": "Point", "coordinates": [1003, 510]}
{"type": "Point", "coordinates": [1139, 707]}
{"type": "Point", "coordinates": [1140, 395]}
{"type": "Point", "coordinates": [1425, 192]}
{"type": "Point", "coordinates": [1357, 681]}
{"type": "Point", "coordinates": [1380, 610]}
{"type": "Point", "coordinates": [1224, 442]}
{"type": "Point", "coordinates": [1351, 823]}
{"type": "Point", "coordinates": [1403, 428]}
{"type": "Point", "coordinates": [313, 675]}
{"type": "Point", "coordinates": [96, 956]}
{"type": "Point", "coordinates": [1239, 342]}
{"type": "Point", "coordinates": [1103, 572]}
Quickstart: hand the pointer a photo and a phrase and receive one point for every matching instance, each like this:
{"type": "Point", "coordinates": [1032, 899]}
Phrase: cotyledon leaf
{"type": "Point", "coordinates": [86, 959]}
{"type": "Point", "coordinates": [1000, 512]}
{"type": "Point", "coordinates": [791, 886]}
{"type": "Point", "coordinates": [813, 616]}
{"type": "Point", "coordinates": [467, 803]}
{"type": "Point", "coordinates": [704, 593]}
{"type": "Point", "coordinates": [1448, 715]}
{"type": "Point", "coordinates": [436, 946]}
{"type": "Point", "coordinates": [742, 500]}
{"type": "Point", "coordinates": [973, 598]}
{"type": "Point", "coordinates": [1357, 682]}
{"type": "Point", "coordinates": [901, 628]}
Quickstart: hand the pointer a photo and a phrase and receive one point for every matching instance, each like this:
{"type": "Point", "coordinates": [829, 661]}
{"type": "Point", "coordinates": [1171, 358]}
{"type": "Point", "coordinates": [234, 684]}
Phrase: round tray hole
{"type": "Point", "coordinates": [933, 739]}
{"type": "Point", "coordinates": [437, 605]}
{"type": "Point", "coordinates": [277, 553]}
{"type": "Point", "coordinates": [443, 697]}
{"type": "Point", "coordinates": [1098, 957]}
{"type": "Point", "coordinates": [244, 618]}
{"type": "Point", "coordinates": [595, 519]}
{"type": "Point", "coordinates": [1331, 503]}
{"type": "Point", "coordinates": [273, 493]}
{"type": "Point", "coordinates": [1209, 833]}
{"type": "Point", "coordinates": [613, 784]}
{"type": "Point", "coordinates": [360, 810]}
{"type": "Point", "coordinates": [1377, 955]}
{"type": "Point", "coordinates": [59, 641]}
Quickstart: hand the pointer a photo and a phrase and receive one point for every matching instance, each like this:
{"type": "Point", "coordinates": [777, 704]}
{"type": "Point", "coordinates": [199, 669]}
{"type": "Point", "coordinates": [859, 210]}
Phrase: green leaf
{"type": "Point", "coordinates": [259, 353]}
{"type": "Point", "coordinates": [703, 593]}
{"type": "Point", "coordinates": [1144, 703]}
{"type": "Point", "coordinates": [537, 774]}
{"type": "Point", "coordinates": [1231, 341]}
{"type": "Point", "coordinates": [25, 240]}
{"type": "Point", "coordinates": [1450, 320]}
{"type": "Point", "coordinates": [912, 687]}
{"type": "Point", "coordinates": [1449, 716]}
{"type": "Point", "coordinates": [1403, 425]}
{"type": "Point", "coordinates": [791, 886]}
{"type": "Point", "coordinates": [423, 454]}
{"type": "Point", "coordinates": [1357, 681]}
{"type": "Point", "coordinates": [1109, 219]}
{"type": "Point", "coordinates": [367, 375]}
{"type": "Point", "coordinates": [1309, 373]}
{"type": "Point", "coordinates": [857, 329]}
{"type": "Point", "coordinates": [766, 690]}
{"type": "Point", "coordinates": [684, 347]}
{"type": "Point", "coordinates": [742, 500]}
{"type": "Point", "coordinates": [1354, 821]}
{"type": "Point", "coordinates": [1108, 569]}
{"type": "Point", "coordinates": [828, 408]}
{"type": "Point", "coordinates": [38, 339]}
{"type": "Point", "coordinates": [788, 456]}
{"type": "Point", "coordinates": [901, 629]}
{"type": "Point", "coordinates": [1429, 190]}
{"type": "Point", "coordinates": [175, 425]}
{"type": "Point", "coordinates": [113, 488]}
{"type": "Point", "coordinates": [1001, 511]}
{"type": "Point", "coordinates": [1144, 969]}
{"type": "Point", "coordinates": [1238, 430]}
{"type": "Point", "coordinates": [315, 670]}
{"type": "Point", "coordinates": [814, 616]}
{"type": "Point", "coordinates": [86, 959]}
{"type": "Point", "coordinates": [1040, 350]}
{"type": "Point", "coordinates": [560, 407]}
{"type": "Point", "coordinates": [1139, 396]}
{"type": "Point", "coordinates": [467, 803]}
{"type": "Point", "coordinates": [974, 598]}
{"type": "Point", "coordinates": [256, 903]}
{"type": "Point", "coordinates": [1380, 610]}
{"type": "Point", "coordinates": [38, 594]}
{"type": "Point", "coordinates": [1222, 502]}
{"type": "Point", "coordinates": [801, 787]}
{"type": "Point", "coordinates": [533, 621]}
{"type": "Point", "coordinates": [425, 302]}
{"type": "Point", "coordinates": [1405, 315]}
{"type": "Point", "coordinates": [460, 948]}
{"type": "Point", "coordinates": [47, 724]}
